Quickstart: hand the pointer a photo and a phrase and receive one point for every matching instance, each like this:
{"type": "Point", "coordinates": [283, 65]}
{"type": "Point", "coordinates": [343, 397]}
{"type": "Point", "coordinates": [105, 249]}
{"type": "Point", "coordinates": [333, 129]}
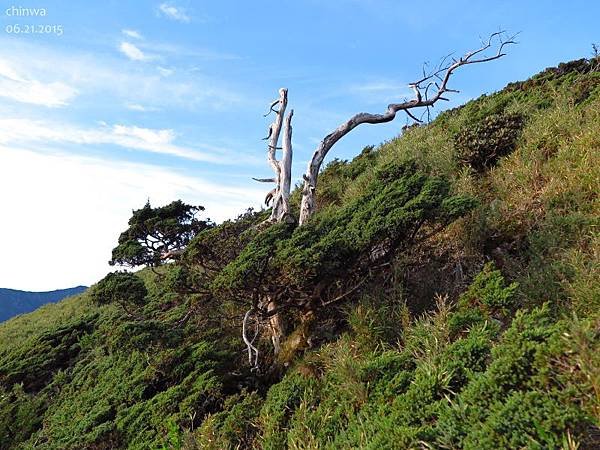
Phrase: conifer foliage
{"type": "Point", "coordinates": [158, 234]}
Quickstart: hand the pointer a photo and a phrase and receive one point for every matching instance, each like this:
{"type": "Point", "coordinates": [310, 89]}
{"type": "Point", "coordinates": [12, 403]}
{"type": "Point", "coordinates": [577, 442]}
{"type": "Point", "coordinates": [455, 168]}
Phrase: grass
{"type": "Point", "coordinates": [485, 335]}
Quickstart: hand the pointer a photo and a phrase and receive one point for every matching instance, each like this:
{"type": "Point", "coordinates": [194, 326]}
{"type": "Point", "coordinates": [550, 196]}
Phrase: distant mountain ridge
{"type": "Point", "coordinates": [14, 302]}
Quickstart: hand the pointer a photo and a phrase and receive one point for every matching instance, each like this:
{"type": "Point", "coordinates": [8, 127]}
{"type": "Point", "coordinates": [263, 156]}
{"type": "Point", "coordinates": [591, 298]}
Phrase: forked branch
{"type": "Point", "coordinates": [280, 194]}
{"type": "Point", "coordinates": [252, 350]}
{"type": "Point", "coordinates": [437, 81]}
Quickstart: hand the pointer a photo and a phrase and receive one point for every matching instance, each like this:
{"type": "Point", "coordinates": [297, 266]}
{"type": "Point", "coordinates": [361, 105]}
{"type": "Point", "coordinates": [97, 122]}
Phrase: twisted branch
{"type": "Point", "coordinates": [419, 87]}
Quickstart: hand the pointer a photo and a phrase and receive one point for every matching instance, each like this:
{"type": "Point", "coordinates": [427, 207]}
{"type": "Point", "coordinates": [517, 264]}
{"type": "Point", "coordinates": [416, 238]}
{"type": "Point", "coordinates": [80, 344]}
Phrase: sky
{"type": "Point", "coordinates": [111, 103]}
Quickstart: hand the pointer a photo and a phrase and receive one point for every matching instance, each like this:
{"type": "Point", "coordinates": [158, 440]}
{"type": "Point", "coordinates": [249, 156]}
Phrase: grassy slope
{"type": "Point", "coordinates": [491, 364]}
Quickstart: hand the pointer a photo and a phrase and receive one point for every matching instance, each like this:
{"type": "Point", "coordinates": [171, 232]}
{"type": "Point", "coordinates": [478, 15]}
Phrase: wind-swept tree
{"type": "Point", "coordinates": [324, 257]}
{"type": "Point", "coordinates": [157, 235]}
{"type": "Point", "coordinates": [428, 90]}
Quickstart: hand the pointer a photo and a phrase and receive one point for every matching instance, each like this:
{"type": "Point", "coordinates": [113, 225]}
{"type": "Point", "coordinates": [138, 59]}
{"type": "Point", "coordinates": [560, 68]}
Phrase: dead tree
{"type": "Point", "coordinates": [428, 90]}
{"type": "Point", "coordinates": [280, 194]}
{"type": "Point", "coordinates": [279, 197]}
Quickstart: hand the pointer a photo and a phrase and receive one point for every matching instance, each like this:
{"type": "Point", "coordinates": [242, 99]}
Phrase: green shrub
{"type": "Point", "coordinates": [34, 362]}
{"type": "Point", "coordinates": [515, 403]}
{"type": "Point", "coordinates": [340, 243]}
{"type": "Point", "coordinates": [233, 427]}
{"type": "Point", "coordinates": [212, 249]}
{"type": "Point", "coordinates": [468, 356]}
{"type": "Point", "coordinates": [464, 319]}
{"type": "Point", "coordinates": [21, 414]}
{"type": "Point", "coordinates": [480, 145]}
{"type": "Point", "coordinates": [490, 291]}
{"type": "Point", "coordinates": [396, 205]}
{"type": "Point", "coordinates": [145, 334]}
{"type": "Point", "coordinates": [119, 287]}
{"type": "Point", "coordinates": [282, 399]}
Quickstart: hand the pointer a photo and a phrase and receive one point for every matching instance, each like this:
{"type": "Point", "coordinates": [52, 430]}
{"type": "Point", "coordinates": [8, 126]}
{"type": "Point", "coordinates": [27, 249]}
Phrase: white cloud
{"type": "Point", "coordinates": [164, 71]}
{"type": "Point", "coordinates": [379, 86]}
{"type": "Point", "coordinates": [23, 89]}
{"type": "Point", "coordinates": [8, 72]}
{"type": "Point", "coordinates": [131, 137]}
{"type": "Point", "coordinates": [173, 12]}
{"type": "Point", "coordinates": [133, 52]}
{"type": "Point", "coordinates": [146, 135]}
{"type": "Point", "coordinates": [132, 34]}
{"type": "Point", "coordinates": [104, 78]}
{"type": "Point", "coordinates": [72, 209]}
{"type": "Point", "coordinates": [141, 108]}
{"type": "Point", "coordinates": [195, 52]}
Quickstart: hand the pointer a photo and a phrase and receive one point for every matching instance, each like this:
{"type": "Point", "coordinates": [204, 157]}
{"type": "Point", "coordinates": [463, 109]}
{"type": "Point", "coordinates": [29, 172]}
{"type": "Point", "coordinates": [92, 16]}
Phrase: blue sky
{"type": "Point", "coordinates": [164, 100]}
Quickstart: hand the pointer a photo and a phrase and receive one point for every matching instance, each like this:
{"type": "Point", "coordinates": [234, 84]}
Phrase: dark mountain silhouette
{"type": "Point", "coordinates": [14, 302]}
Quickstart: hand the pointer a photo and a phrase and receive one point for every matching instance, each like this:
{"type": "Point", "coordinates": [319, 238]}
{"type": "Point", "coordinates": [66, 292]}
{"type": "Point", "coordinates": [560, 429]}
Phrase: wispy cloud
{"type": "Point", "coordinates": [20, 131]}
{"type": "Point", "coordinates": [189, 52]}
{"type": "Point", "coordinates": [379, 86]}
{"type": "Point", "coordinates": [164, 71]}
{"type": "Point", "coordinates": [85, 203]}
{"type": "Point", "coordinates": [171, 11]}
{"type": "Point", "coordinates": [145, 49]}
{"type": "Point", "coordinates": [141, 108]}
{"type": "Point", "coordinates": [132, 34]}
{"type": "Point", "coordinates": [24, 89]}
{"type": "Point", "coordinates": [133, 52]}
{"type": "Point", "coordinates": [104, 78]}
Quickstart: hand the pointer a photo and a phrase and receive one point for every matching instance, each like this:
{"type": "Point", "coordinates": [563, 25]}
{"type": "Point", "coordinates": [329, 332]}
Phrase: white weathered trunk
{"type": "Point", "coordinates": [279, 196]}
{"type": "Point", "coordinates": [282, 169]}
{"type": "Point", "coordinates": [422, 99]}
{"type": "Point", "coordinates": [276, 326]}
{"type": "Point", "coordinates": [281, 207]}
{"type": "Point", "coordinates": [308, 205]}
{"type": "Point", "coordinates": [273, 138]}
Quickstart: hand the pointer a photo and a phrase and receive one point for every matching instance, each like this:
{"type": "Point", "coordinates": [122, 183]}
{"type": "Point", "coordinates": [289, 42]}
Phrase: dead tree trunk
{"type": "Point", "coordinates": [276, 327]}
{"type": "Point", "coordinates": [272, 143]}
{"type": "Point", "coordinates": [279, 195]}
{"type": "Point", "coordinates": [281, 207]}
{"type": "Point", "coordinates": [427, 91]}
{"type": "Point", "coordinates": [434, 81]}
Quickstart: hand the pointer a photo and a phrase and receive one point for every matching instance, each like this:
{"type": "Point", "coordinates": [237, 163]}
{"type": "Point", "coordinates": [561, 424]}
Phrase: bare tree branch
{"type": "Point", "coordinates": [345, 294]}
{"type": "Point", "coordinates": [412, 117]}
{"type": "Point", "coordinates": [274, 131]}
{"type": "Point", "coordinates": [271, 108]}
{"type": "Point", "coordinates": [270, 195]}
{"type": "Point", "coordinates": [252, 350]}
{"type": "Point", "coordinates": [308, 204]}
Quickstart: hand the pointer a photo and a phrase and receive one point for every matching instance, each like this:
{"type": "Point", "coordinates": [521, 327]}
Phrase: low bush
{"type": "Point", "coordinates": [480, 145]}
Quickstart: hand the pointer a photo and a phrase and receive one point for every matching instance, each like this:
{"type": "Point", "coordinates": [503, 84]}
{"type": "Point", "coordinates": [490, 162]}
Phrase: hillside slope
{"type": "Point", "coordinates": [478, 329]}
{"type": "Point", "coordinates": [14, 302]}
